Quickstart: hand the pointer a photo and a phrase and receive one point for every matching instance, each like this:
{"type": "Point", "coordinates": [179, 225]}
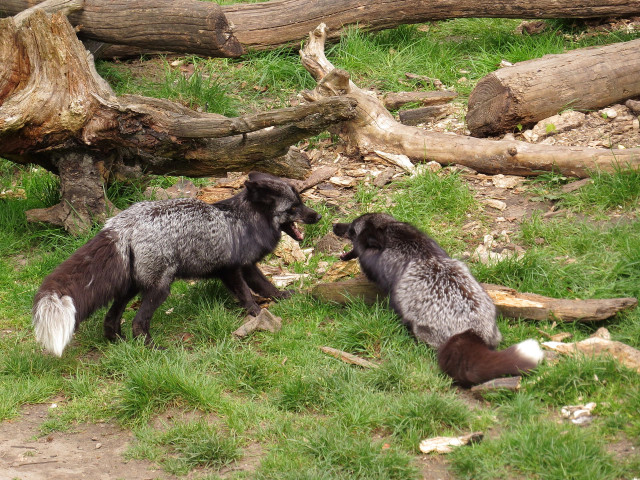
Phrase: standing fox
{"type": "Point", "coordinates": [150, 244]}
{"type": "Point", "coordinates": [437, 298]}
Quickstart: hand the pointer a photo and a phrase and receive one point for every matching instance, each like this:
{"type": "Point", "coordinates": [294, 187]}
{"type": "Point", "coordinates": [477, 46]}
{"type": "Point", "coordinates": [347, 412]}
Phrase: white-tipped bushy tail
{"type": "Point", "coordinates": [54, 320]}
{"type": "Point", "coordinates": [530, 350]}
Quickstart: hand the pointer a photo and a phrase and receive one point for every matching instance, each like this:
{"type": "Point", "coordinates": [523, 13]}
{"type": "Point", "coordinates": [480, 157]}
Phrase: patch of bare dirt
{"type": "Point", "coordinates": [92, 451]}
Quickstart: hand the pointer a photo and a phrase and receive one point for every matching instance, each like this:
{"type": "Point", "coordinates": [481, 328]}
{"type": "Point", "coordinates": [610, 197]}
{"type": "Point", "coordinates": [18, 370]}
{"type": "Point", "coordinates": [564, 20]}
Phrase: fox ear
{"type": "Point", "coordinates": [373, 237]}
{"type": "Point", "coordinates": [259, 192]}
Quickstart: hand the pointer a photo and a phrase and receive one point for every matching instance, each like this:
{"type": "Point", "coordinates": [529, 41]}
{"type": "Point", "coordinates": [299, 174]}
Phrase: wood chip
{"type": "Point", "coordinates": [264, 321]}
{"type": "Point", "coordinates": [447, 444]}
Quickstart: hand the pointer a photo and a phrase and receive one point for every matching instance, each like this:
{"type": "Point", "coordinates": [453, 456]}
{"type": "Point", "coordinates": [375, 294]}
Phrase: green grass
{"type": "Point", "coordinates": [276, 400]}
{"type": "Point", "coordinates": [540, 449]}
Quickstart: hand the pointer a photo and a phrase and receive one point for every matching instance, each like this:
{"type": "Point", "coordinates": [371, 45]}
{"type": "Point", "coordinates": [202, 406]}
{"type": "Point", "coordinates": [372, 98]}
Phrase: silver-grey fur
{"type": "Point", "coordinates": [437, 298]}
{"type": "Point", "coordinates": [147, 246]}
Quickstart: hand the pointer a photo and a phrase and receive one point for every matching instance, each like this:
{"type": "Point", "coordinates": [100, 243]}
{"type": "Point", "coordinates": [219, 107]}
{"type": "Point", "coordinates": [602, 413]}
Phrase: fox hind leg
{"type": "Point", "coordinates": [151, 300]}
{"type": "Point", "coordinates": [112, 321]}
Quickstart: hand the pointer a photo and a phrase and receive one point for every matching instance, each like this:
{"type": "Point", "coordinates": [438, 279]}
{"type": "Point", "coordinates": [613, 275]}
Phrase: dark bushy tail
{"type": "Point", "coordinates": [469, 361]}
{"type": "Point", "coordinates": [86, 281]}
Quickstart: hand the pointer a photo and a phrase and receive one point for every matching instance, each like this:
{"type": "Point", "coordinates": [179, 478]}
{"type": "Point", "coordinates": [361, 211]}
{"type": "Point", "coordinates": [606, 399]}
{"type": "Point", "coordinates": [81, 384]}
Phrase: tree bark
{"type": "Point", "coordinates": [508, 301]}
{"type": "Point", "coordinates": [264, 26]}
{"type": "Point", "coordinates": [55, 109]}
{"type": "Point", "coordinates": [375, 129]}
{"type": "Point", "coordinates": [527, 92]}
{"type": "Point", "coordinates": [285, 22]}
{"type": "Point", "coordinates": [187, 26]}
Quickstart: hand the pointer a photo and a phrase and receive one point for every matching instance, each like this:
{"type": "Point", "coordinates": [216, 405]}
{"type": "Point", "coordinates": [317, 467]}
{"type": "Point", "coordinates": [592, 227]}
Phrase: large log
{"type": "Point", "coordinates": [278, 23]}
{"type": "Point", "coordinates": [187, 26]}
{"type": "Point", "coordinates": [375, 129]}
{"type": "Point", "coordinates": [508, 301]}
{"type": "Point", "coordinates": [56, 111]}
{"type": "Point", "coordinates": [527, 92]}
{"type": "Point", "coordinates": [286, 22]}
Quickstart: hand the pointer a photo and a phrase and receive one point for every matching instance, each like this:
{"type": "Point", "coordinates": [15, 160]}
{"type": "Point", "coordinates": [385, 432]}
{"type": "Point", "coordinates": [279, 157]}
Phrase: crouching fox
{"type": "Point", "coordinates": [437, 298]}
{"type": "Point", "coordinates": [147, 246]}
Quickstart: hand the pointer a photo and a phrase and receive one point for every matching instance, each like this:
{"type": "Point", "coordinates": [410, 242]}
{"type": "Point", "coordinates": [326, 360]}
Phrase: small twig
{"type": "Point", "coordinates": [348, 358]}
{"type": "Point", "coordinates": [36, 463]}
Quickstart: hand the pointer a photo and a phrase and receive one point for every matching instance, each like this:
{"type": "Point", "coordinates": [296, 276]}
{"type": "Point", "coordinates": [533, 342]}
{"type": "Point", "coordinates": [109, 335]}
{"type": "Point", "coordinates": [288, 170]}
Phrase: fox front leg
{"type": "Point", "coordinates": [261, 284]}
{"type": "Point", "coordinates": [237, 285]}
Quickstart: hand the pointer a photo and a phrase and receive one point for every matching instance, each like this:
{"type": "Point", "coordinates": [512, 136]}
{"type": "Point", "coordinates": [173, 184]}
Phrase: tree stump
{"type": "Point", "coordinates": [527, 92]}
{"type": "Point", "coordinates": [375, 130]}
{"type": "Point", "coordinates": [57, 112]}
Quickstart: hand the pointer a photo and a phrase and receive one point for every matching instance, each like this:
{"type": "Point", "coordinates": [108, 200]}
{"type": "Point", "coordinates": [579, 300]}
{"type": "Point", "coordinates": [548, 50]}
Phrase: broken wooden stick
{"type": "Point", "coordinates": [348, 357]}
{"type": "Point", "coordinates": [508, 301]}
{"type": "Point", "coordinates": [374, 129]}
{"type": "Point", "coordinates": [507, 383]}
{"type": "Point", "coordinates": [596, 346]}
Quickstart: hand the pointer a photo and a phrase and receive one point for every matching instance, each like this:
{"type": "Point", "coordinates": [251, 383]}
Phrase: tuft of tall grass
{"type": "Point", "coordinates": [537, 449]}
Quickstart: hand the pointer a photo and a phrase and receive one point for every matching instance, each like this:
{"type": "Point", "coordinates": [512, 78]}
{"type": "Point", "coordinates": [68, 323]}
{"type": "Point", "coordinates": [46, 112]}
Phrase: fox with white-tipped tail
{"type": "Point", "coordinates": [147, 246]}
{"type": "Point", "coordinates": [437, 298]}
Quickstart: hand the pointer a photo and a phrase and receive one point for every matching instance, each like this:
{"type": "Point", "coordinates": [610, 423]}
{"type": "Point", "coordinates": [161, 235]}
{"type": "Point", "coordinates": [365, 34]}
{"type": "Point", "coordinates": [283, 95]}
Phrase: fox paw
{"type": "Point", "coordinates": [283, 294]}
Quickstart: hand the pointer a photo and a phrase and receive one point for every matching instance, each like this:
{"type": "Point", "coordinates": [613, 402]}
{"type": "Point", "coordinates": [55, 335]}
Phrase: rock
{"type": "Point", "coordinates": [558, 123]}
{"type": "Point", "coordinates": [634, 106]}
{"type": "Point", "coordinates": [609, 113]}
{"type": "Point", "coordinates": [506, 181]}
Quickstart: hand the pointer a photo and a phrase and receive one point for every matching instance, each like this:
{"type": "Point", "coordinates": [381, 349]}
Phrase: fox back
{"type": "Point", "coordinates": [436, 296]}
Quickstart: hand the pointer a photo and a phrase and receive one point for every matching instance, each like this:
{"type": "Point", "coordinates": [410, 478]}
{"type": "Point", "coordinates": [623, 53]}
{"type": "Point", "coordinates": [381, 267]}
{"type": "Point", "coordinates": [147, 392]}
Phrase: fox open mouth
{"type": "Point", "coordinates": [293, 231]}
{"type": "Point", "coordinates": [350, 255]}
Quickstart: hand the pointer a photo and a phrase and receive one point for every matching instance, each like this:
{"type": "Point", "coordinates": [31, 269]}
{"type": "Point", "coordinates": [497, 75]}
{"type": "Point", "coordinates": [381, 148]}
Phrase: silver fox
{"type": "Point", "coordinates": [147, 246]}
{"type": "Point", "coordinates": [437, 298]}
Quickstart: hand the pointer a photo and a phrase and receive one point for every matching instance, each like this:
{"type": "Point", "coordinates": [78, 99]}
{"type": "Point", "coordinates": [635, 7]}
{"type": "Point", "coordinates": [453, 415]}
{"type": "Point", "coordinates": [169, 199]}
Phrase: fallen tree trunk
{"type": "Point", "coordinates": [285, 22]}
{"type": "Point", "coordinates": [527, 92]}
{"type": "Point", "coordinates": [187, 26]}
{"type": "Point", "coordinates": [508, 301]}
{"type": "Point", "coordinates": [56, 111]}
{"type": "Point", "coordinates": [375, 129]}
{"type": "Point", "coordinates": [268, 25]}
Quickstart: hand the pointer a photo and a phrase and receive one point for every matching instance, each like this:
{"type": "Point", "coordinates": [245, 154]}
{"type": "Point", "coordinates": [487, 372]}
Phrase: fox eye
{"type": "Point", "coordinates": [294, 209]}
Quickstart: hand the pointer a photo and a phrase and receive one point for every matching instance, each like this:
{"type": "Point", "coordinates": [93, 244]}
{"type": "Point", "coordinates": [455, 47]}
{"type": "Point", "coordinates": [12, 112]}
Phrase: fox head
{"type": "Point", "coordinates": [366, 231]}
{"type": "Point", "coordinates": [282, 201]}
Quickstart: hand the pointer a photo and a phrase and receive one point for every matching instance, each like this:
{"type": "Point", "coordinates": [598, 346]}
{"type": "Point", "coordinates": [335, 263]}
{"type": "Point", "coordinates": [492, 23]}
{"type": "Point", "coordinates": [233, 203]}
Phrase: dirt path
{"type": "Point", "coordinates": [94, 452]}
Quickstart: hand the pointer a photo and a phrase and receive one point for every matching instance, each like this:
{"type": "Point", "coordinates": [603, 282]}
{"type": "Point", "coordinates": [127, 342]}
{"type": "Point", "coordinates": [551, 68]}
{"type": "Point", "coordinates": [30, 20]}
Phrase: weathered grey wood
{"type": "Point", "coordinates": [507, 383]}
{"type": "Point", "coordinates": [395, 100]}
{"type": "Point", "coordinates": [348, 357]}
{"type": "Point", "coordinates": [285, 22]}
{"type": "Point", "coordinates": [56, 109]}
{"type": "Point", "coordinates": [188, 26]}
{"type": "Point", "coordinates": [416, 116]}
{"type": "Point", "coordinates": [374, 129]}
{"type": "Point", "coordinates": [527, 92]}
{"type": "Point", "coordinates": [273, 24]}
{"type": "Point", "coordinates": [508, 301]}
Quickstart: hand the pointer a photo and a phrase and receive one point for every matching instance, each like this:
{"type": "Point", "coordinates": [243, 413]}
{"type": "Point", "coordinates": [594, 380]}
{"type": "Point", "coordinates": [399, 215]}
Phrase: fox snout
{"type": "Point", "coordinates": [341, 229]}
{"type": "Point", "coordinates": [308, 215]}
